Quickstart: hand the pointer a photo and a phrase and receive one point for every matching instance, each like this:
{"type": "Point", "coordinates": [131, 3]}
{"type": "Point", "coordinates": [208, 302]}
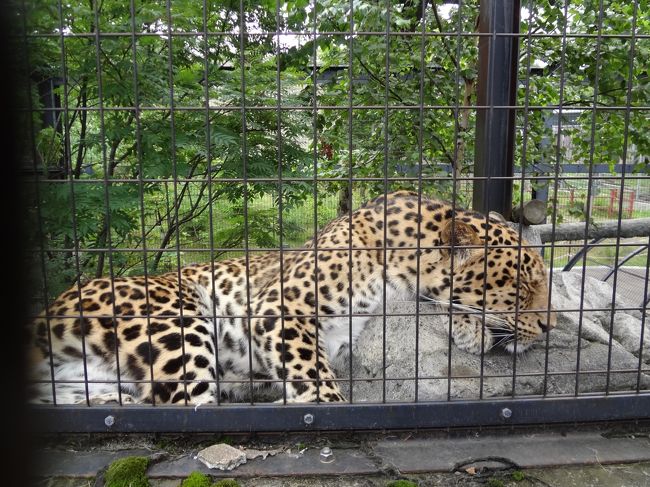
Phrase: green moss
{"type": "Point", "coordinates": [495, 483]}
{"type": "Point", "coordinates": [127, 472]}
{"type": "Point", "coordinates": [401, 483]}
{"type": "Point", "coordinates": [226, 483]}
{"type": "Point", "coordinates": [197, 479]}
{"type": "Point", "coordinates": [518, 475]}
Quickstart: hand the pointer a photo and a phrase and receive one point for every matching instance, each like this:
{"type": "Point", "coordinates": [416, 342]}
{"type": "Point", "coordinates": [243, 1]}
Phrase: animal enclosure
{"type": "Point", "coordinates": [262, 216]}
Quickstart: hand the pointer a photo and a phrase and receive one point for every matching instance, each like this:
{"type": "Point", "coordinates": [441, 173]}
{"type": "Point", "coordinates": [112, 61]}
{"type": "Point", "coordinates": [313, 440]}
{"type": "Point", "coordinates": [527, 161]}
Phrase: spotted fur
{"type": "Point", "coordinates": [184, 337]}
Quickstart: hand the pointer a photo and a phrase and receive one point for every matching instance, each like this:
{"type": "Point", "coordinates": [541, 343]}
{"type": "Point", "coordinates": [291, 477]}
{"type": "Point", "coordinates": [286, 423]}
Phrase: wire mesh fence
{"type": "Point", "coordinates": [214, 223]}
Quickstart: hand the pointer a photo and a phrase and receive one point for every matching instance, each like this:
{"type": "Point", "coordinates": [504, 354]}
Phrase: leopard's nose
{"type": "Point", "coordinates": [546, 325]}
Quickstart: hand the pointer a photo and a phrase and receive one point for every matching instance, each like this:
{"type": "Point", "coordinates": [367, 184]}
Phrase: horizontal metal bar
{"type": "Point", "coordinates": [544, 167]}
{"type": "Point", "coordinates": [306, 249]}
{"type": "Point", "coordinates": [558, 373]}
{"type": "Point", "coordinates": [487, 312]}
{"type": "Point", "coordinates": [311, 108]}
{"type": "Point", "coordinates": [288, 180]}
{"type": "Point", "coordinates": [328, 417]}
{"type": "Point", "coordinates": [249, 33]}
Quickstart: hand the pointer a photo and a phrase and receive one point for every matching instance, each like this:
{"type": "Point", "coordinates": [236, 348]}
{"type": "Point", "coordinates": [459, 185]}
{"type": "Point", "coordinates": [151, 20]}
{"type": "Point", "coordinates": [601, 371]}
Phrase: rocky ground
{"type": "Point", "coordinates": [550, 367]}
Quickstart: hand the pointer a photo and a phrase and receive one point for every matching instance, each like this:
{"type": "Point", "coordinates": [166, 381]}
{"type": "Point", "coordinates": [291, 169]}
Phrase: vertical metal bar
{"type": "Point", "coordinates": [484, 299]}
{"type": "Point", "coordinates": [37, 193]}
{"type": "Point", "coordinates": [485, 187]}
{"type": "Point", "coordinates": [350, 192]}
{"type": "Point", "coordinates": [73, 205]}
{"type": "Point", "coordinates": [626, 135]}
{"type": "Point", "coordinates": [419, 213]}
{"type": "Point", "coordinates": [497, 86]}
{"type": "Point", "coordinates": [107, 215]}
{"type": "Point", "coordinates": [315, 190]}
{"type": "Point", "coordinates": [280, 189]}
{"type": "Point", "coordinates": [138, 145]}
{"type": "Point", "coordinates": [454, 195]}
{"type": "Point", "coordinates": [385, 226]}
{"type": "Point", "coordinates": [172, 127]}
{"type": "Point", "coordinates": [592, 150]}
{"type": "Point", "coordinates": [522, 192]}
{"type": "Point", "coordinates": [244, 147]}
{"type": "Point", "coordinates": [644, 316]}
{"type": "Point", "coordinates": [558, 159]}
{"type": "Point", "coordinates": [208, 155]}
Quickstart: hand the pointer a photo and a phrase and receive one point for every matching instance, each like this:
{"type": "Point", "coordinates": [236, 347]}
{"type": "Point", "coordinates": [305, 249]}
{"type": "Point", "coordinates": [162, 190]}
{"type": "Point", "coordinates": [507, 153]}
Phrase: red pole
{"type": "Point", "coordinates": [613, 195]}
{"type": "Point", "coordinates": [630, 210]}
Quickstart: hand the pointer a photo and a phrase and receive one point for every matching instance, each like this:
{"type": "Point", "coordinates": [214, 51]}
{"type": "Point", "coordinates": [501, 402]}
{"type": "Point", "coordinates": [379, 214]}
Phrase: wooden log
{"type": "Point", "coordinates": [636, 227]}
{"type": "Point", "coordinates": [532, 212]}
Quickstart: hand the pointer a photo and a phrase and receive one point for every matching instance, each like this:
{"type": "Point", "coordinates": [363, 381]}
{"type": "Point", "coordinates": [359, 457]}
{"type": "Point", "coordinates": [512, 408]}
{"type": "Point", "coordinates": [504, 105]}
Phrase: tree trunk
{"type": "Point", "coordinates": [463, 126]}
{"type": "Point", "coordinates": [638, 227]}
{"type": "Point", "coordinates": [345, 201]}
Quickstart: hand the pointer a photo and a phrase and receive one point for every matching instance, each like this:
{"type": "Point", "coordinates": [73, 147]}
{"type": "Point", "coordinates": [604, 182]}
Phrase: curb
{"type": "Point", "coordinates": [403, 456]}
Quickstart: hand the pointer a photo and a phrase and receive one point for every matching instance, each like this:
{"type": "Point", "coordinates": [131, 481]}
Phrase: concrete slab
{"type": "Point", "coordinates": [351, 462]}
{"type": "Point", "coordinates": [635, 475]}
{"type": "Point", "coordinates": [67, 463]}
{"type": "Point", "coordinates": [376, 457]}
{"type": "Point", "coordinates": [535, 450]}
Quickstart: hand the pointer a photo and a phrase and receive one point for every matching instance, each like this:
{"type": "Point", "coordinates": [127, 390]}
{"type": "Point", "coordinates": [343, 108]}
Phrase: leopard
{"type": "Point", "coordinates": [217, 331]}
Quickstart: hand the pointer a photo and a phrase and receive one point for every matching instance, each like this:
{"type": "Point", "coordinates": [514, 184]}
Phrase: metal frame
{"type": "Point", "coordinates": [271, 418]}
{"type": "Point", "coordinates": [620, 262]}
{"type": "Point", "coordinates": [500, 43]}
{"type": "Point", "coordinates": [497, 85]}
{"type": "Point", "coordinates": [582, 255]}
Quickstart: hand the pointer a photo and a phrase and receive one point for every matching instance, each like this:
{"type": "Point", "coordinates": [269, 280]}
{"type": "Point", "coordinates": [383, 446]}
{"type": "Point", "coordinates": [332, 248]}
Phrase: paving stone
{"type": "Point", "coordinates": [520, 451]}
{"type": "Point", "coordinates": [56, 463]}
{"type": "Point", "coordinates": [634, 475]}
{"type": "Point", "coordinates": [348, 461]}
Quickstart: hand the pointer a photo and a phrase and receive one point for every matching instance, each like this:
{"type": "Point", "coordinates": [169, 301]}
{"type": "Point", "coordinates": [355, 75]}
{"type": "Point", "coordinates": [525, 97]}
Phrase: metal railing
{"type": "Point", "coordinates": [168, 125]}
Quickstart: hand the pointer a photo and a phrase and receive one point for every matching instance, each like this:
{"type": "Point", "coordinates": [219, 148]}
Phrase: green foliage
{"type": "Point", "coordinates": [495, 483]}
{"type": "Point", "coordinates": [518, 475]}
{"type": "Point", "coordinates": [197, 479]}
{"type": "Point", "coordinates": [226, 440]}
{"type": "Point", "coordinates": [171, 174]}
{"type": "Point", "coordinates": [127, 472]}
{"type": "Point", "coordinates": [401, 483]}
{"type": "Point", "coordinates": [226, 483]}
{"type": "Point", "coordinates": [394, 143]}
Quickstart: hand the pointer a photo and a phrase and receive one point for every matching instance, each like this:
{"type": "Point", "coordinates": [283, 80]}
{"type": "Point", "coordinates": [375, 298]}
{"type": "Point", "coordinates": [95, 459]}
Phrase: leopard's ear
{"type": "Point", "coordinates": [497, 216]}
{"type": "Point", "coordinates": [460, 235]}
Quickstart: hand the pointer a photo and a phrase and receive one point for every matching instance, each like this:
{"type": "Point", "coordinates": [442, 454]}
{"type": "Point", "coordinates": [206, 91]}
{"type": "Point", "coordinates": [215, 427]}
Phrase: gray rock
{"type": "Point", "coordinates": [627, 330]}
{"type": "Point", "coordinates": [528, 233]}
{"type": "Point", "coordinates": [252, 453]}
{"type": "Point", "coordinates": [575, 357]}
{"type": "Point", "coordinates": [221, 456]}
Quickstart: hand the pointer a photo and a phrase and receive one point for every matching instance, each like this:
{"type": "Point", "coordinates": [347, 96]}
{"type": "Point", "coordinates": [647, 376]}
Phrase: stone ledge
{"type": "Point", "coordinates": [414, 455]}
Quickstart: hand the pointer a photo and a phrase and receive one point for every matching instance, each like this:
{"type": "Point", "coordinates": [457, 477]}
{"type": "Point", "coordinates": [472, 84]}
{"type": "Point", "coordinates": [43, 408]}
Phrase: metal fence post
{"type": "Point", "coordinates": [497, 87]}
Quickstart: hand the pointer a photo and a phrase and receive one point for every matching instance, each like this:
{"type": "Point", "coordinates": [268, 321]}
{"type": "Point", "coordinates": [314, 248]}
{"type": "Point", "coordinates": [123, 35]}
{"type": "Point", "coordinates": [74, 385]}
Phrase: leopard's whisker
{"type": "Point", "coordinates": [493, 320]}
{"type": "Point", "coordinates": [502, 341]}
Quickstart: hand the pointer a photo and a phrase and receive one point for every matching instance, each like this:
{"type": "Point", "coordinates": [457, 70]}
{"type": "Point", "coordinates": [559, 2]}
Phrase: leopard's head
{"type": "Point", "coordinates": [501, 283]}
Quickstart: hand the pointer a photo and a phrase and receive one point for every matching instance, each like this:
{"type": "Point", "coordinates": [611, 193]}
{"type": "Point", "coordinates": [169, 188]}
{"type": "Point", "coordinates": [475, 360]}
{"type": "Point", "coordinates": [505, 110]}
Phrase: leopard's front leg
{"type": "Point", "coordinates": [294, 357]}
